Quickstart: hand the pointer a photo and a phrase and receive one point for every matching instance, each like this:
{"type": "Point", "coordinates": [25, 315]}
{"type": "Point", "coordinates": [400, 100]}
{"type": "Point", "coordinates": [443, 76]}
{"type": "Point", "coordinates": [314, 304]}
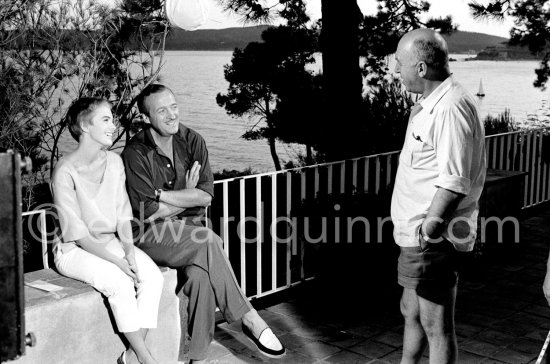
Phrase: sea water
{"type": "Point", "coordinates": [197, 77]}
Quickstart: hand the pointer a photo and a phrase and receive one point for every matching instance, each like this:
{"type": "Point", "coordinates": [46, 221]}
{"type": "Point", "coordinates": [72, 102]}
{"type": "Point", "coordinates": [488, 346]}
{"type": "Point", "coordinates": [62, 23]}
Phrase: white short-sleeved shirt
{"type": "Point", "coordinates": [444, 148]}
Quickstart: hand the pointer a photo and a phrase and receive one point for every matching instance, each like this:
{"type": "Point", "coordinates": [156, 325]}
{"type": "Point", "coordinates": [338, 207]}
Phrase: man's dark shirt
{"type": "Point", "coordinates": [148, 169]}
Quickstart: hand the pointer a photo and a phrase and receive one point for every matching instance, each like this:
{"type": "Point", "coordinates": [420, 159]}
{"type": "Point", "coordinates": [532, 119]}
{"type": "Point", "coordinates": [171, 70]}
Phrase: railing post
{"type": "Point", "coordinates": [329, 179]}
{"type": "Point", "coordinates": [502, 156]}
{"type": "Point", "coordinates": [494, 164]}
{"type": "Point", "coordinates": [44, 239]}
{"type": "Point", "coordinates": [540, 197]}
{"type": "Point", "coordinates": [528, 136]}
{"type": "Point", "coordinates": [259, 238]}
{"type": "Point", "coordinates": [290, 236]}
{"type": "Point", "coordinates": [388, 171]}
{"type": "Point", "coordinates": [377, 180]}
{"type": "Point", "coordinates": [343, 177]}
{"type": "Point", "coordinates": [242, 232]}
{"type": "Point", "coordinates": [509, 146]}
{"type": "Point", "coordinates": [225, 232]}
{"type": "Point", "coordinates": [302, 244]}
{"type": "Point", "coordinates": [273, 232]}
{"type": "Point", "coordinates": [366, 183]}
{"type": "Point", "coordinates": [354, 175]}
{"type": "Point", "coordinates": [515, 153]}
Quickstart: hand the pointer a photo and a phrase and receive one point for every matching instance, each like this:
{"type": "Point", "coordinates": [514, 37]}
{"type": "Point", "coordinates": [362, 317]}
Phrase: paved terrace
{"type": "Point", "coordinates": [502, 316]}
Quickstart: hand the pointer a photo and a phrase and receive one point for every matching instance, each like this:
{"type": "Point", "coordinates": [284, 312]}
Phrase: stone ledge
{"type": "Point", "coordinates": [74, 325]}
{"type": "Point", "coordinates": [36, 297]}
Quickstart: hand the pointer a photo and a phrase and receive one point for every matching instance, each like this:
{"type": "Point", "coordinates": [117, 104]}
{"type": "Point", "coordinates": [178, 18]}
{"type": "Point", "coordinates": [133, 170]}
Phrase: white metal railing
{"type": "Point", "coordinates": [518, 151]}
{"type": "Point", "coordinates": [523, 151]}
{"type": "Point", "coordinates": [43, 233]}
{"type": "Point", "coordinates": [263, 199]}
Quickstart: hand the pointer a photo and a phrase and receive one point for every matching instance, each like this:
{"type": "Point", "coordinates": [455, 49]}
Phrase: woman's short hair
{"type": "Point", "coordinates": [79, 113]}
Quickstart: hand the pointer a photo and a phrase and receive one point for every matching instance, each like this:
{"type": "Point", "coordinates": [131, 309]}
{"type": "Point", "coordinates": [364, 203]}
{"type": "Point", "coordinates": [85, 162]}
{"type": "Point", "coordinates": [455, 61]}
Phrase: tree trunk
{"type": "Point", "coordinates": [55, 149]}
{"type": "Point", "coordinates": [274, 155]}
{"type": "Point", "coordinates": [342, 80]}
{"type": "Point", "coordinates": [271, 135]}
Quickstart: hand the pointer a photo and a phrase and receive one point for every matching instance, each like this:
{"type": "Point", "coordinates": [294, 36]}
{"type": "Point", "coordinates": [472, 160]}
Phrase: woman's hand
{"type": "Point", "coordinates": [129, 266]}
{"type": "Point", "coordinates": [192, 176]}
{"type": "Point", "coordinates": [546, 287]}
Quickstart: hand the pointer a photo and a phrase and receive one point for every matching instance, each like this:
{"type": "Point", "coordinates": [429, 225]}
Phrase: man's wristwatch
{"type": "Point", "coordinates": [158, 191]}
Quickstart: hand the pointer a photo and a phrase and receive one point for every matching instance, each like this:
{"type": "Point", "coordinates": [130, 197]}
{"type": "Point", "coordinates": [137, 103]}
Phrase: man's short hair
{"type": "Point", "coordinates": [79, 113]}
{"type": "Point", "coordinates": [146, 92]}
{"type": "Point", "coordinates": [433, 53]}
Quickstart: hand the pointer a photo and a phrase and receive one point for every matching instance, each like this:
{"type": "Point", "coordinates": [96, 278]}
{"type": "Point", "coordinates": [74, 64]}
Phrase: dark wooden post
{"type": "Point", "coordinates": [12, 303]}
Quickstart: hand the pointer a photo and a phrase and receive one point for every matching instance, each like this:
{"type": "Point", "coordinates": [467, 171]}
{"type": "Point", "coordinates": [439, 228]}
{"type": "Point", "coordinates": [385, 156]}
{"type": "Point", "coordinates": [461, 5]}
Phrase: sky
{"type": "Point", "coordinates": [439, 8]}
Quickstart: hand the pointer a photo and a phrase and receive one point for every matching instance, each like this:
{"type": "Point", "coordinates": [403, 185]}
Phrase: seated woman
{"type": "Point", "coordinates": [95, 216]}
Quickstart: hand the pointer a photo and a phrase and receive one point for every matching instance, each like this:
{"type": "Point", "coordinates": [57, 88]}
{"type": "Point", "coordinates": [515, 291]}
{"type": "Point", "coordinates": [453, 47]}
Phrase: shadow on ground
{"type": "Point", "coordinates": [350, 313]}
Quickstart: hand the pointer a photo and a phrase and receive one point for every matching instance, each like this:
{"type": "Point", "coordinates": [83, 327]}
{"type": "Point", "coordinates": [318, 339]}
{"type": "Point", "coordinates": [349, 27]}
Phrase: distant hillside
{"type": "Point", "coordinates": [469, 42]}
{"type": "Point", "coordinates": [214, 39]}
{"type": "Point", "coordinates": [231, 38]}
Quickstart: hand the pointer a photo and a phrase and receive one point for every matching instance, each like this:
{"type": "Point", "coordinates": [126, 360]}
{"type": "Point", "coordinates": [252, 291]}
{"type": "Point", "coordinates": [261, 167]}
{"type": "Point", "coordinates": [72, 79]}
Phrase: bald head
{"type": "Point", "coordinates": [428, 46]}
{"type": "Point", "coordinates": [422, 61]}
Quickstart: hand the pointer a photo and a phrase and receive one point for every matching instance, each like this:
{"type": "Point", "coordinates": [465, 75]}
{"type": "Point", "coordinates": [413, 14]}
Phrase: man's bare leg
{"type": "Point", "coordinates": [438, 322]}
{"type": "Point", "coordinates": [414, 338]}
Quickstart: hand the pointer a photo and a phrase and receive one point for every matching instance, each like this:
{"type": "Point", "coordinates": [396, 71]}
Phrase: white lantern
{"type": "Point", "coordinates": [186, 14]}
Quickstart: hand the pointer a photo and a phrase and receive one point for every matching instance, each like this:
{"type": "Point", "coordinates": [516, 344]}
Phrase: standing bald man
{"type": "Point", "coordinates": [435, 199]}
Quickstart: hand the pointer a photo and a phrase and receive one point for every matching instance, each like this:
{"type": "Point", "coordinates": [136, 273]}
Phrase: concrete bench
{"type": "Point", "coordinates": [74, 325]}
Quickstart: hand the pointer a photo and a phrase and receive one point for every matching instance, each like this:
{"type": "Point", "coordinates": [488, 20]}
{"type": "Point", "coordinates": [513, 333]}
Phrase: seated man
{"type": "Point", "coordinates": [169, 182]}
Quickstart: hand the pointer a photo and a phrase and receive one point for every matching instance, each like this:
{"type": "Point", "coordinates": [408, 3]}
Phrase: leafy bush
{"type": "Point", "coordinates": [386, 109]}
{"type": "Point", "coordinates": [233, 173]}
{"type": "Point", "coordinates": [502, 123]}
